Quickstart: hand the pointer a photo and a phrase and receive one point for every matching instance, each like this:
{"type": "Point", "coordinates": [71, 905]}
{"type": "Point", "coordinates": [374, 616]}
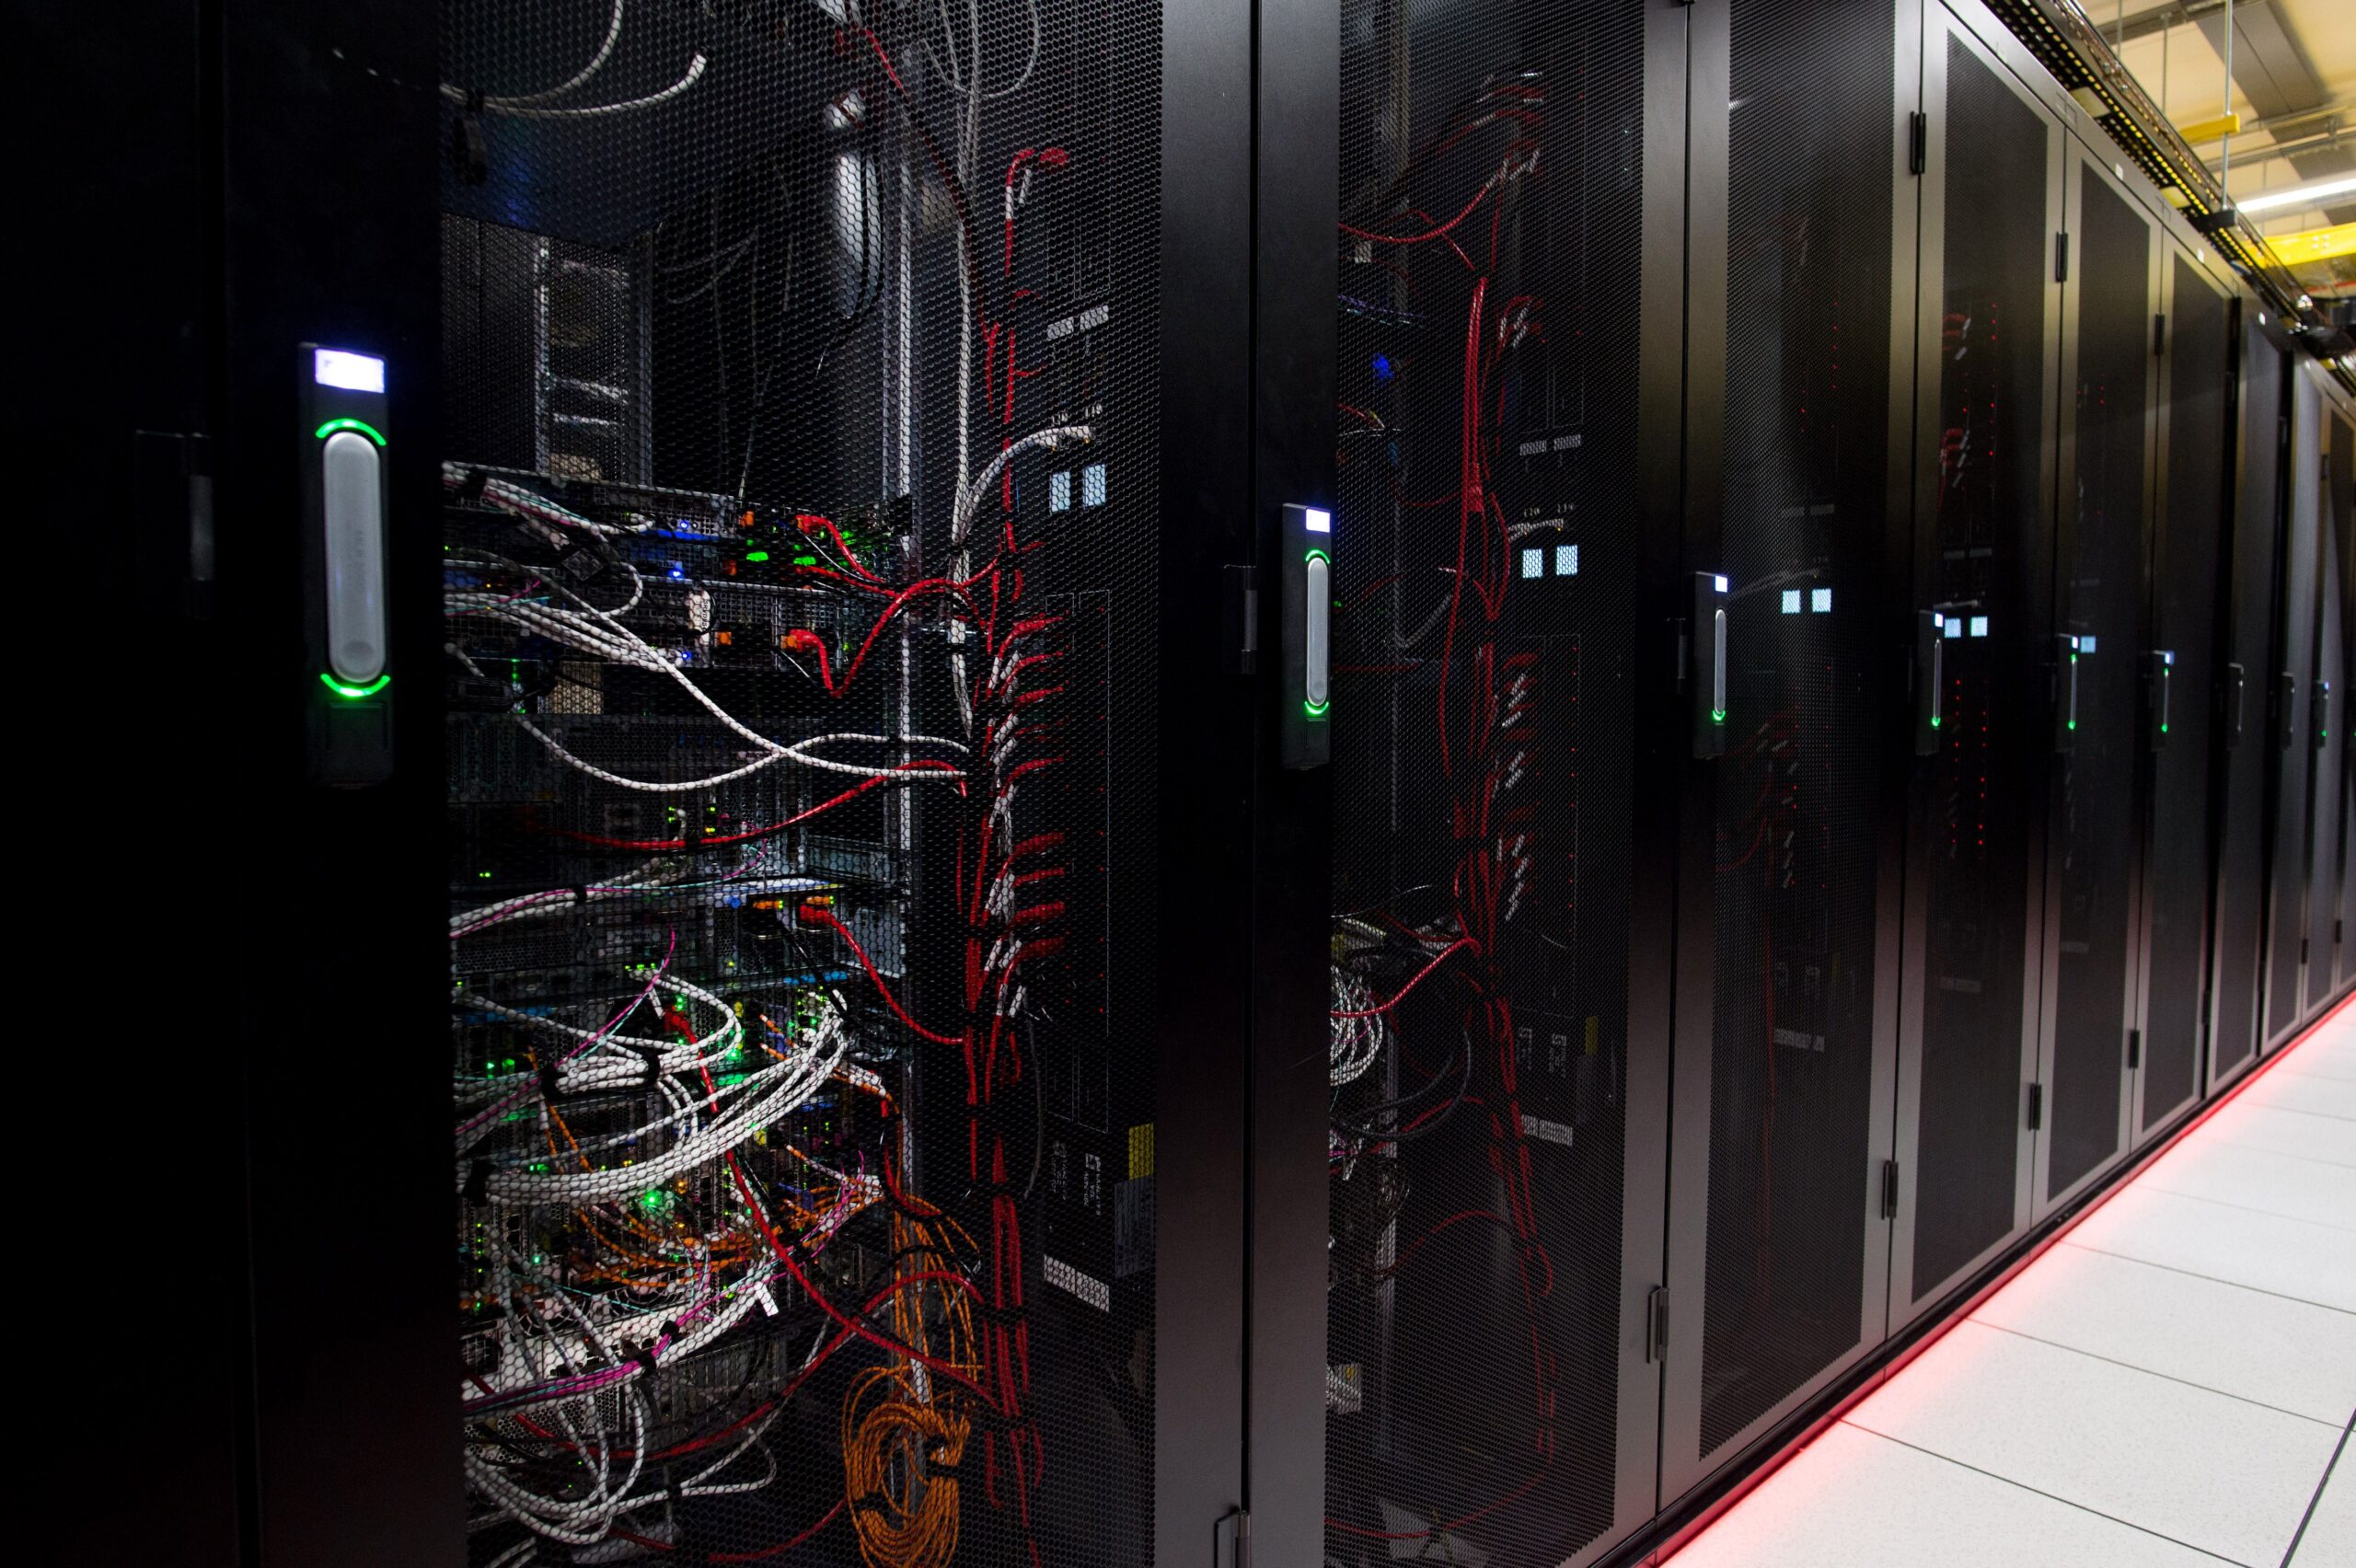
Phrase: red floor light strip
{"type": "Point", "coordinates": [2119, 1184]}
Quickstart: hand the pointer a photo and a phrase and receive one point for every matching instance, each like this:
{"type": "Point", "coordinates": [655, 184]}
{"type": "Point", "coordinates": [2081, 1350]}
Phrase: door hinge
{"type": "Point", "coordinates": [1657, 1325]}
{"type": "Point", "coordinates": [2159, 334]}
{"type": "Point", "coordinates": [2035, 1106]}
{"type": "Point", "coordinates": [1237, 1529]}
{"type": "Point", "coordinates": [2134, 1049]}
{"type": "Point", "coordinates": [1241, 615]}
{"type": "Point", "coordinates": [1918, 142]}
{"type": "Point", "coordinates": [1889, 1189]}
{"type": "Point", "coordinates": [2061, 256]}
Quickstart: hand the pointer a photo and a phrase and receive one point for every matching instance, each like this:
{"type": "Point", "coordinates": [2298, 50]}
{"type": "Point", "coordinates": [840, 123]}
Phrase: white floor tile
{"type": "Point", "coordinates": [2202, 1469]}
{"type": "Point", "coordinates": [2331, 1538]}
{"type": "Point", "coordinates": [2244, 1121]}
{"type": "Point", "coordinates": [2340, 1071]}
{"type": "Point", "coordinates": [1856, 1500]}
{"type": "Point", "coordinates": [2258, 1179]}
{"type": "Point", "coordinates": [2286, 1354]}
{"type": "Point", "coordinates": [2264, 1251]}
{"type": "Point", "coordinates": [2311, 1093]}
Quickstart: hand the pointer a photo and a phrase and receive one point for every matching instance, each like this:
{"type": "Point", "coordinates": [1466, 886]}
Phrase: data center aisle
{"type": "Point", "coordinates": [2172, 1384]}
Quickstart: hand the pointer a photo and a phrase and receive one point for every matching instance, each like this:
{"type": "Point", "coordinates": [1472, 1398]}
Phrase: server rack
{"type": "Point", "coordinates": [2326, 744]}
{"type": "Point", "coordinates": [1503, 719]}
{"type": "Point", "coordinates": [2099, 647]}
{"type": "Point", "coordinates": [1988, 335]}
{"type": "Point", "coordinates": [2188, 695]}
{"type": "Point", "coordinates": [517, 308]}
{"type": "Point", "coordinates": [2245, 766]}
{"type": "Point", "coordinates": [1802, 256]}
{"type": "Point", "coordinates": [2291, 715]}
{"type": "Point", "coordinates": [2341, 493]}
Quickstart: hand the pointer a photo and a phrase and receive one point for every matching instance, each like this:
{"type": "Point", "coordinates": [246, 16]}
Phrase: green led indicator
{"type": "Point", "coordinates": [1318, 555]}
{"type": "Point", "coordinates": [652, 1200]}
{"type": "Point", "coordinates": [1314, 709]}
{"type": "Point", "coordinates": [351, 693]}
{"type": "Point", "coordinates": [2073, 724]}
{"type": "Point", "coordinates": [1717, 715]}
{"type": "Point", "coordinates": [757, 555]}
{"type": "Point", "coordinates": [805, 560]}
{"type": "Point", "coordinates": [1934, 721]}
{"type": "Point", "coordinates": [363, 426]}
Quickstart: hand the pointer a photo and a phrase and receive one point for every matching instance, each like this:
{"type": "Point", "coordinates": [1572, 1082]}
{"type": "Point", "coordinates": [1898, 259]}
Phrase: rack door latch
{"type": "Point", "coordinates": [1657, 1325]}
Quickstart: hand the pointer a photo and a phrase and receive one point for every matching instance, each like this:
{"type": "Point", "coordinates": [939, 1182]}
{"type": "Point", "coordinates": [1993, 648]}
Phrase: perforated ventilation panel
{"type": "Point", "coordinates": [2326, 718]}
{"type": "Point", "coordinates": [2241, 845]}
{"type": "Point", "coordinates": [2289, 746]}
{"type": "Point", "coordinates": [798, 533]}
{"type": "Point", "coordinates": [2099, 588]}
{"type": "Point", "coordinates": [1984, 549]}
{"type": "Point", "coordinates": [1807, 461]}
{"type": "Point", "coordinates": [1491, 188]}
{"type": "Point", "coordinates": [2187, 598]}
{"type": "Point", "coordinates": [2343, 492]}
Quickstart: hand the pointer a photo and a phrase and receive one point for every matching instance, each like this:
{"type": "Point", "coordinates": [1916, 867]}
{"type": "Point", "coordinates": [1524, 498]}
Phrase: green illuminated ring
{"type": "Point", "coordinates": [1317, 555]}
{"type": "Point", "coordinates": [363, 426]}
{"type": "Point", "coordinates": [1314, 709]}
{"type": "Point", "coordinates": [1717, 715]}
{"type": "Point", "coordinates": [351, 693]}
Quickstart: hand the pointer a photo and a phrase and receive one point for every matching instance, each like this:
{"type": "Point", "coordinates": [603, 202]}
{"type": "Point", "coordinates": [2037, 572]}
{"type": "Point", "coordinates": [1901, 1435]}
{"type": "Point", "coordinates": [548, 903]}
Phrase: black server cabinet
{"type": "Point", "coordinates": [1504, 716]}
{"type": "Point", "coordinates": [1800, 384]}
{"type": "Point", "coordinates": [2292, 745]}
{"type": "Point", "coordinates": [792, 468]}
{"type": "Point", "coordinates": [2246, 682]}
{"type": "Point", "coordinates": [1988, 325]}
{"type": "Point", "coordinates": [2340, 492]}
{"type": "Point", "coordinates": [2183, 716]}
{"type": "Point", "coordinates": [2327, 722]}
{"type": "Point", "coordinates": [2109, 262]}
{"type": "Point", "coordinates": [116, 366]}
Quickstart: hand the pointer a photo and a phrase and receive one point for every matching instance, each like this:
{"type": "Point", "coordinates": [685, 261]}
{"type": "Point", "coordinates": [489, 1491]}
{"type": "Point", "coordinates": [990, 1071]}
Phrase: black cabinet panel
{"type": "Point", "coordinates": [2245, 686]}
{"type": "Point", "coordinates": [2100, 648]}
{"type": "Point", "coordinates": [1489, 561]}
{"type": "Point", "coordinates": [2291, 746]}
{"type": "Point", "coordinates": [1984, 546]}
{"type": "Point", "coordinates": [2187, 601]}
{"type": "Point", "coordinates": [1797, 800]}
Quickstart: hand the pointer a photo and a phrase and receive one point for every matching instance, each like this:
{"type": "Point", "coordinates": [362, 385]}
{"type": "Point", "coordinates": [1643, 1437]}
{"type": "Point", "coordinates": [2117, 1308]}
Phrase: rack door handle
{"type": "Point", "coordinates": [1305, 700]}
{"type": "Point", "coordinates": [2065, 732]}
{"type": "Point", "coordinates": [2162, 678]}
{"type": "Point", "coordinates": [2241, 702]}
{"type": "Point", "coordinates": [1930, 678]}
{"type": "Point", "coordinates": [1710, 701]}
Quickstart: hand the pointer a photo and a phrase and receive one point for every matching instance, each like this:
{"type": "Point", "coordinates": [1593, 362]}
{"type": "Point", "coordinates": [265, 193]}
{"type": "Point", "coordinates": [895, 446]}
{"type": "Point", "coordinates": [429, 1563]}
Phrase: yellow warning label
{"type": "Point", "coordinates": [1140, 1150]}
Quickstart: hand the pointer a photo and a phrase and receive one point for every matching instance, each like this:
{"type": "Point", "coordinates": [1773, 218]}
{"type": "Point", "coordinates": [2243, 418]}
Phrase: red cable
{"type": "Point", "coordinates": [1438, 959]}
{"type": "Point", "coordinates": [811, 915]}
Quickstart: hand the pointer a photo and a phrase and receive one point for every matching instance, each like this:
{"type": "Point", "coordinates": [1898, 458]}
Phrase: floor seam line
{"type": "Point", "coordinates": [2309, 1517]}
{"type": "Point", "coordinates": [2214, 1279]}
{"type": "Point", "coordinates": [2244, 1208]}
{"type": "Point", "coordinates": [2040, 1491]}
{"type": "Point", "coordinates": [2183, 1382]}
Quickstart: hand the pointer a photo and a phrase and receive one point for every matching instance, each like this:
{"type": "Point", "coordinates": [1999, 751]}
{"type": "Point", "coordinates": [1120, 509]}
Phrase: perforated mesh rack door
{"type": "Point", "coordinates": [2188, 598]}
{"type": "Point", "coordinates": [2098, 587]}
{"type": "Point", "coordinates": [2247, 682]}
{"type": "Point", "coordinates": [2327, 721]}
{"type": "Point", "coordinates": [801, 549]}
{"type": "Point", "coordinates": [2290, 748]}
{"type": "Point", "coordinates": [2343, 502]}
{"type": "Point", "coordinates": [1797, 791]}
{"type": "Point", "coordinates": [1983, 549]}
{"type": "Point", "coordinates": [1495, 169]}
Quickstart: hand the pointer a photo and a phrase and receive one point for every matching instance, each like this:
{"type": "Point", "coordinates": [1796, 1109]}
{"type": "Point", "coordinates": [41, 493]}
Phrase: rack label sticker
{"type": "Point", "coordinates": [1063, 1276]}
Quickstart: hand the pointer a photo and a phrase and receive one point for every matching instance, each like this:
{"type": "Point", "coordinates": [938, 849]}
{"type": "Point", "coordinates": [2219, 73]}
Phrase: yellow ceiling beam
{"type": "Point", "coordinates": [2199, 130]}
{"type": "Point", "coordinates": [2314, 245]}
